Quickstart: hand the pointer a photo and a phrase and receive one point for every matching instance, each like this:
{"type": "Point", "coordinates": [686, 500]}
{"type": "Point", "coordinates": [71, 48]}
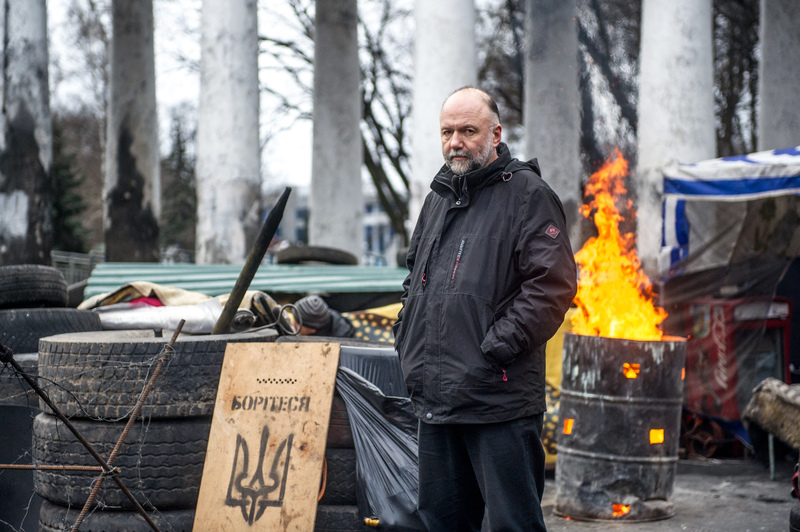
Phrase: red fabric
{"type": "Point", "coordinates": [147, 302]}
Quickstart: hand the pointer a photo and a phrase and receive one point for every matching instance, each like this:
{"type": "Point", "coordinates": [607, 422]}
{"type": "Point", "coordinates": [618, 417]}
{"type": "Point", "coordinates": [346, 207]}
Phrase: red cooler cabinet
{"type": "Point", "coordinates": [732, 345]}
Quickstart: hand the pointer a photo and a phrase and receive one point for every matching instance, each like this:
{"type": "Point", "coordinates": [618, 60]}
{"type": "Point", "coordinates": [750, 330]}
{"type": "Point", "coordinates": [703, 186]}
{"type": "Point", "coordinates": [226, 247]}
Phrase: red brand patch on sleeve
{"type": "Point", "coordinates": [552, 231]}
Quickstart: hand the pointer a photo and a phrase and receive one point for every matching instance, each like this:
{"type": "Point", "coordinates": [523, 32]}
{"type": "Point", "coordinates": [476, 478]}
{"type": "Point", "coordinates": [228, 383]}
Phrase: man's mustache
{"type": "Point", "coordinates": [458, 153]}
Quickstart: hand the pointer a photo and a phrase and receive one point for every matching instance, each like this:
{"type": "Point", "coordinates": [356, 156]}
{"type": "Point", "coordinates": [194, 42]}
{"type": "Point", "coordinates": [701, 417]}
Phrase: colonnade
{"type": "Point", "coordinates": [676, 115]}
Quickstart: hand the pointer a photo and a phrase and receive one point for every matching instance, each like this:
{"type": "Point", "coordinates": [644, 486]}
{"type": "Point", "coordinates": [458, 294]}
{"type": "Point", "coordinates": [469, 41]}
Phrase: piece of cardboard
{"type": "Point", "coordinates": [266, 448]}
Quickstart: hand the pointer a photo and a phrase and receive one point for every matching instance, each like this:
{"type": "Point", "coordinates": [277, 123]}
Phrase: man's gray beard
{"type": "Point", "coordinates": [472, 163]}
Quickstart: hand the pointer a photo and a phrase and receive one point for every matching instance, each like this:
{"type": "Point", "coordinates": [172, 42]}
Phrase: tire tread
{"type": "Point", "coordinates": [32, 285]}
{"type": "Point", "coordinates": [161, 462]}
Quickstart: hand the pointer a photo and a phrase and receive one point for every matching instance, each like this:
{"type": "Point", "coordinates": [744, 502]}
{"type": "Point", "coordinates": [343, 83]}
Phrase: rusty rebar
{"type": "Point", "coordinates": [131, 420]}
{"type": "Point", "coordinates": [53, 467]}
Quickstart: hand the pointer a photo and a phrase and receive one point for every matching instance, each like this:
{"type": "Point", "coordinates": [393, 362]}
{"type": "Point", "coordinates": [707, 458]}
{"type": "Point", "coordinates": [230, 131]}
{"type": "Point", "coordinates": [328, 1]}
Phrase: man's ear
{"type": "Point", "coordinates": [497, 135]}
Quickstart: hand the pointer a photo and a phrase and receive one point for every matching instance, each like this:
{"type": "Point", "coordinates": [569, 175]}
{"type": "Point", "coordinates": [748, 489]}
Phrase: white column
{"type": "Point", "coordinates": [444, 60]}
{"type": "Point", "coordinates": [228, 165]}
{"type": "Point", "coordinates": [552, 104]}
{"type": "Point", "coordinates": [676, 105]}
{"type": "Point", "coordinates": [133, 176]}
{"type": "Point", "coordinates": [779, 72]}
{"type": "Point", "coordinates": [335, 201]}
{"type": "Point", "coordinates": [25, 135]}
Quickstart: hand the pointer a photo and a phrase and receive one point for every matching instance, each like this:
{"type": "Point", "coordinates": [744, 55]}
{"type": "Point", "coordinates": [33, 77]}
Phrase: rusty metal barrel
{"type": "Point", "coordinates": [619, 427]}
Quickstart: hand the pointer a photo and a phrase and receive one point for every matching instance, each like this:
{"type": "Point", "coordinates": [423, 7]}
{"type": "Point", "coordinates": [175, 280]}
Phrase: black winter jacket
{"type": "Point", "coordinates": [491, 276]}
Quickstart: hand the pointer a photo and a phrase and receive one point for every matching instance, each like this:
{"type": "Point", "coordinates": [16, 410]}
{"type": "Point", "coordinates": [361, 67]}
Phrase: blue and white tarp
{"type": "Point", "coordinates": [708, 207]}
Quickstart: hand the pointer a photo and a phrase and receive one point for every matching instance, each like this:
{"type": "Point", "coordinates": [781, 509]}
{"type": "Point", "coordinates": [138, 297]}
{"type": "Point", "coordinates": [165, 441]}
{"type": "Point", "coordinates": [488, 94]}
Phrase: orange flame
{"type": "Point", "coordinates": [620, 509]}
{"type": "Point", "coordinates": [631, 371]}
{"type": "Point", "coordinates": [614, 295]}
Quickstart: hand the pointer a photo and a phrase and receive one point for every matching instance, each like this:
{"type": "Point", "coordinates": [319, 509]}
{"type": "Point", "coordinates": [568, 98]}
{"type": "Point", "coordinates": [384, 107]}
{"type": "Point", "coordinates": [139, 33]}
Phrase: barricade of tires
{"type": "Point", "coordinates": [96, 378]}
{"type": "Point", "coordinates": [32, 306]}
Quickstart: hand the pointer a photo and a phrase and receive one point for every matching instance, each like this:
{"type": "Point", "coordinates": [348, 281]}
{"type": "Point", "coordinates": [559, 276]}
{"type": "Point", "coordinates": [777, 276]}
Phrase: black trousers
{"type": "Point", "coordinates": [496, 469]}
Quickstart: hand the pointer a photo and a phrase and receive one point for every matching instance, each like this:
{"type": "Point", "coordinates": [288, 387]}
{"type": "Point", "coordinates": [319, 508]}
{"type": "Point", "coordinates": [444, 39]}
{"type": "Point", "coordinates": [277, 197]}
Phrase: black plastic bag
{"type": "Point", "coordinates": [385, 436]}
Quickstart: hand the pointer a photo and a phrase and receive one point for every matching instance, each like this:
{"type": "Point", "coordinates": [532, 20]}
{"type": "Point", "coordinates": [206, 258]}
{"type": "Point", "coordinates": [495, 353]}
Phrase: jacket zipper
{"type": "Point", "coordinates": [458, 258]}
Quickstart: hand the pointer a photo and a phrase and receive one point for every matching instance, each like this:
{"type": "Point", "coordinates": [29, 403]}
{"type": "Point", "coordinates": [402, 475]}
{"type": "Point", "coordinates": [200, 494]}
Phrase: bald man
{"type": "Point", "coordinates": [491, 276]}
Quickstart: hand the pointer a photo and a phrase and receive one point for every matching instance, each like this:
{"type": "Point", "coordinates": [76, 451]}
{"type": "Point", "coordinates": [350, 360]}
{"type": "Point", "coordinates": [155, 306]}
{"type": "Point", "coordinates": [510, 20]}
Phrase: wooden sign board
{"type": "Point", "coordinates": [265, 452]}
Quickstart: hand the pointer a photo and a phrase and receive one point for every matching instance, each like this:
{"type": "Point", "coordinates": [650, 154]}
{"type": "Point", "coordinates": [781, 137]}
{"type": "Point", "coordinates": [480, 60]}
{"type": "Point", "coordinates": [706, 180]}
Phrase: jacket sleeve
{"type": "Point", "coordinates": [549, 281]}
{"type": "Point", "coordinates": [410, 258]}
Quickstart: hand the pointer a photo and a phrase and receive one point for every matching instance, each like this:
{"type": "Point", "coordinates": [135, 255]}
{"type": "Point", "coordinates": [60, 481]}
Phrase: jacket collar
{"type": "Point", "coordinates": [446, 180]}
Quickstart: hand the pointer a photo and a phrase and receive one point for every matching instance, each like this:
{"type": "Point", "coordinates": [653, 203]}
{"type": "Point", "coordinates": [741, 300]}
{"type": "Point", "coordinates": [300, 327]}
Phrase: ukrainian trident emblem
{"type": "Point", "coordinates": [264, 486]}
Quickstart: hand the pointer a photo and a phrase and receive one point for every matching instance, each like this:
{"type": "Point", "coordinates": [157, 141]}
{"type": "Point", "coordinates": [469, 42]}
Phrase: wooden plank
{"type": "Point", "coordinates": [267, 443]}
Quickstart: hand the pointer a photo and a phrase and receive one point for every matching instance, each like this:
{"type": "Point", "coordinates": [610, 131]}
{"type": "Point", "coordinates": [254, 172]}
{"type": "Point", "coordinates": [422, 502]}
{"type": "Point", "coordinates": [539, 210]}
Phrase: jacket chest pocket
{"type": "Point", "coordinates": [478, 265]}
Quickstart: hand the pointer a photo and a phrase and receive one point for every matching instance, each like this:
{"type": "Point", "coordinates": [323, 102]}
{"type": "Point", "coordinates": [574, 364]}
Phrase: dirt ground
{"type": "Point", "coordinates": [733, 495]}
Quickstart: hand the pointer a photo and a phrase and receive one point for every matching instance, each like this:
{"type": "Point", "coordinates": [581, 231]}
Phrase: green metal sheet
{"type": "Point", "coordinates": [216, 279]}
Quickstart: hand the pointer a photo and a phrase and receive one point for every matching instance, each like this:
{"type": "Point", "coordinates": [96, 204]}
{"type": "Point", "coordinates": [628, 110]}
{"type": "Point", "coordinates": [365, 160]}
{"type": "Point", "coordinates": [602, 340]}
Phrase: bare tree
{"type": "Point", "coordinates": [90, 21]}
{"type": "Point", "coordinates": [736, 24]}
{"type": "Point", "coordinates": [387, 106]}
{"type": "Point", "coordinates": [82, 117]}
{"type": "Point", "coordinates": [501, 52]}
{"type": "Point", "coordinates": [78, 130]}
{"type": "Point", "coordinates": [179, 190]}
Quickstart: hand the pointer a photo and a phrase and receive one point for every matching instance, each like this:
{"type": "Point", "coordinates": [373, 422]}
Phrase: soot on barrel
{"type": "Point", "coordinates": [619, 427]}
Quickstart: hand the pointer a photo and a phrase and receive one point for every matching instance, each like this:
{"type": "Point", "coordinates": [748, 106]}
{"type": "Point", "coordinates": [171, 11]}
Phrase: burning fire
{"type": "Point", "coordinates": [614, 295]}
{"type": "Point", "coordinates": [620, 509]}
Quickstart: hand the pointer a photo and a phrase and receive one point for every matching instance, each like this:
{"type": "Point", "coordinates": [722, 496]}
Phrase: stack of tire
{"type": "Point", "coordinates": [33, 301]}
{"type": "Point", "coordinates": [33, 304]}
{"type": "Point", "coordinates": [95, 380]}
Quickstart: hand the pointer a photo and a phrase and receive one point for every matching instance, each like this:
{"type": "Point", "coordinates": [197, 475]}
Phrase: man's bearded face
{"type": "Point", "coordinates": [462, 161]}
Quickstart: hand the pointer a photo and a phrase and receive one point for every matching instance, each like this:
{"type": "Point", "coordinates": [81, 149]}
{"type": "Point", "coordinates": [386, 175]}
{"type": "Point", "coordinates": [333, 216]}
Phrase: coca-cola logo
{"type": "Point", "coordinates": [718, 334]}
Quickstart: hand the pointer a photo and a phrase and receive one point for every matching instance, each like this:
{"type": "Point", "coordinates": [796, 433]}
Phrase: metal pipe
{"type": "Point", "coordinates": [52, 467]}
{"type": "Point", "coordinates": [250, 268]}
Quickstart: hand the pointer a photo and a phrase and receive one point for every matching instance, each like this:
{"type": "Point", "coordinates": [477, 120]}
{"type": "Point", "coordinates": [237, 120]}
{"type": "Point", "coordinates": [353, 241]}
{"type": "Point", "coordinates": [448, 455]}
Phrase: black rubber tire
{"type": "Point", "coordinates": [331, 518]}
{"type": "Point", "coordinates": [340, 433]}
{"type": "Point", "coordinates": [32, 286]}
{"type": "Point", "coordinates": [21, 329]}
{"type": "Point", "coordinates": [340, 486]}
{"type": "Point", "coordinates": [14, 389]}
{"type": "Point", "coordinates": [161, 461]}
{"type": "Point", "coordinates": [794, 518]}
{"type": "Point", "coordinates": [55, 518]}
{"type": "Point", "coordinates": [100, 375]}
{"type": "Point", "coordinates": [315, 254]}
